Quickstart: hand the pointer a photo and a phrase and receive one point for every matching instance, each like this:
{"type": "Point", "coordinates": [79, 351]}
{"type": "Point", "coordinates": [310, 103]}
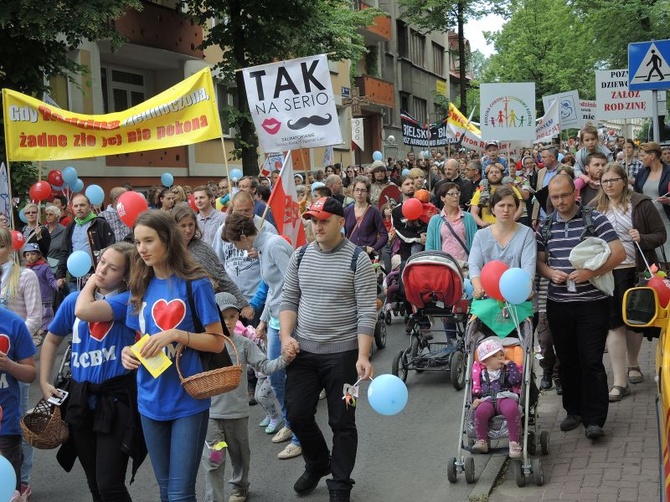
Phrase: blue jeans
{"type": "Point", "coordinates": [175, 447]}
{"type": "Point", "coordinates": [278, 378]}
{"type": "Point", "coordinates": [27, 465]}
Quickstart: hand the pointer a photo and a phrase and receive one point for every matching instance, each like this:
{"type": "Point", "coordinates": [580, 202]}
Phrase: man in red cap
{"type": "Point", "coordinates": [328, 275]}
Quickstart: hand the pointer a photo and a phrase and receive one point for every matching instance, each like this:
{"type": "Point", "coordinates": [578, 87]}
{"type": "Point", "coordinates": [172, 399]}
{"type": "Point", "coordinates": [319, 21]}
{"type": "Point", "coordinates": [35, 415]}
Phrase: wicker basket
{"type": "Point", "coordinates": [43, 427]}
{"type": "Point", "coordinates": [213, 382]}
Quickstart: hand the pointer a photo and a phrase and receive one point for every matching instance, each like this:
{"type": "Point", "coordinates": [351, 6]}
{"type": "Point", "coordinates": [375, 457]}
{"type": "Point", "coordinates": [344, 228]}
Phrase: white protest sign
{"type": "Point", "coordinates": [549, 125]}
{"type": "Point", "coordinates": [588, 108]}
{"type": "Point", "coordinates": [292, 104]}
{"type": "Point", "coordinates": [507, 111]}
{"type": "Point", "coordinates": [615, 101]}
{"type": "Point", "coordinates": [568, 106]}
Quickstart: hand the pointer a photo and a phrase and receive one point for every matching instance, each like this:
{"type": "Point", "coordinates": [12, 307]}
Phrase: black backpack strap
{"type": "Point", "coordinates": [301, 253]}
{"type": "Point", "coordinates": [354, 258]}
{"type": "Point", "coordinates": [589, 227]}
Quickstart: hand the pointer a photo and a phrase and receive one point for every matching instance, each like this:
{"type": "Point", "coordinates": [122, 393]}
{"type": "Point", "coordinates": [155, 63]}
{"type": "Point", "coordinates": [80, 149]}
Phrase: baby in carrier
{"type": "Point", "coordinates": [495, 390]}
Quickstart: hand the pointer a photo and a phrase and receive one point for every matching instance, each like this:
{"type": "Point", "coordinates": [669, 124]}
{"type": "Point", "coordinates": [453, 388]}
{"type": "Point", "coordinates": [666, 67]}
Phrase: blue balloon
{"type": "Point", "coordinates": [516, 285]}
{"type": "Point", "coordinates": [387, 395]}
{"type": "Point", "coordinates": [70, 175]}
{"type": "Point", "coordinates": [468, 289]}
{"type": "Point", "coordinates": [79, 263]}
{"type": "Point", "coordinates": [167, 179]}
{"type": "Point", "coordinates": [77, 187]}
{"type": "Point", "coordinates": [405, 172]}
{"type": "Point", "coordinates": [236, 174]}
{"type": "Point", "coordinates": [95, 194]}
{"type": "Point", "coordinates": [7, 479]}
{"type": "Point", "coordinates": [22, 216]}
{"type": "Point", "coordinates": [377, 155]}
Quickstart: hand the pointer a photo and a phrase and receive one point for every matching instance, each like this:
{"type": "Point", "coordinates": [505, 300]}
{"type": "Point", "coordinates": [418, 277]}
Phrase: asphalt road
{"type": "Point", "coordinates": [400, 458]}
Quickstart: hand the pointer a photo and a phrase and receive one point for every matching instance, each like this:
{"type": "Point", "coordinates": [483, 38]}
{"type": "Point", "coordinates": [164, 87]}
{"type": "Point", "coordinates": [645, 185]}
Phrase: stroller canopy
{"type": "Point", "coordinates": [430, 277]}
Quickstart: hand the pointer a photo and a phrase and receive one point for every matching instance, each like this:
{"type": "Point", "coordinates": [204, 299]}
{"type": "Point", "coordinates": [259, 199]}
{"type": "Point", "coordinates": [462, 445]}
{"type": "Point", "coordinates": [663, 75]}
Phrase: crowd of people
{"type": "Point", "coordinates": [207, 261]}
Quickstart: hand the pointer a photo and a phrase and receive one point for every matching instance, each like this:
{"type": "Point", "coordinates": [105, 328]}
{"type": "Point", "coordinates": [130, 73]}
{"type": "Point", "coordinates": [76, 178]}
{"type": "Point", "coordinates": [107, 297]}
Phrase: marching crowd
{"type": "Point", "coordinates": [207, 261]}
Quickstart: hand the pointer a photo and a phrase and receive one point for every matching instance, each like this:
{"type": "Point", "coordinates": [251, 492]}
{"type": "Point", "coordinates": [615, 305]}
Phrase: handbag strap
{"type": "Point", "coordinates": [197, 324]}
{"type": "Point", "coordinates": [465, 248]}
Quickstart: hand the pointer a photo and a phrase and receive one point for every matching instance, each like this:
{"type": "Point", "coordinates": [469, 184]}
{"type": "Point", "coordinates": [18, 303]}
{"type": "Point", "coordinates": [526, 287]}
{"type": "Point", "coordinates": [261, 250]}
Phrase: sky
{"type": "Point", "coordinates": [473, 32]}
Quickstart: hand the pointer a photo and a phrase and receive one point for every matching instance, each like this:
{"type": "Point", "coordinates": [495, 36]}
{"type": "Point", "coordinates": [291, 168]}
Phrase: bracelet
{"type": "Point", "coordinates": [188, 341]}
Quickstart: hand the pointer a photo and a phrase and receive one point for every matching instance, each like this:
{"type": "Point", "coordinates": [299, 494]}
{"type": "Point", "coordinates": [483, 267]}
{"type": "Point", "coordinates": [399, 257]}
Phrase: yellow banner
{"type": "Point", "coordinates": [458, 120]}
{"type": "Point", "coordinates": [184, 114]}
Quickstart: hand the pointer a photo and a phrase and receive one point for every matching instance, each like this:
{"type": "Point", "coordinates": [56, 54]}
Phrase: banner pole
{"type": "Point", "coordinates": [11, 201]}
{"type": "Point", "coordinates": [225, 165]}
{"type": "Point", "coordinates": [304, 165]}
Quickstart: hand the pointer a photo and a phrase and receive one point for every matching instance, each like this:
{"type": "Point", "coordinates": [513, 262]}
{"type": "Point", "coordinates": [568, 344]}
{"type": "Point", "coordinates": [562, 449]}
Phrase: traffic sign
{"type": "Point", "coordinates": [648, 68]}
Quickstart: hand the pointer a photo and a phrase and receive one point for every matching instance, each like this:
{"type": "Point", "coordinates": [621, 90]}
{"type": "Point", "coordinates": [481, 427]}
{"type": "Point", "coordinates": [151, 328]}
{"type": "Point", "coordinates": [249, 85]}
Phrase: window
{"type": "Point", "coordinates": [438, 59]}
{"type": "Point", "coordinates": [403, 44]}
{"type": "Point", "coordinates": [59, 92]}
{"type": "Point", "coordinates": [404, 102]}
{"type": "Point", "coordinates": [122, 88]}
{"type": "Point", "coordinates": [420, 110]}
{"type": "Point", "coordinates": [417, 44]}
{"type": "Point", "coordinates": [226, 96]}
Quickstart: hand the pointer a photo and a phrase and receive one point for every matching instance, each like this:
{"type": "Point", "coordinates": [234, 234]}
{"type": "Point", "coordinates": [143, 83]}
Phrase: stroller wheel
{"type": "Point", "coordinates": [470, 470]}
{"type": "Point", "coordinates": [380, 334]}
{"type": "Point", "coordinates": [538, 472]}
{"type": "Point", "coordinates": [451, 470]}
{"type": "Point", "coordinates": [544, 442]}
{"type": "Point", "coordinates": [518, 474]}
{"type": "Point", "coordinates": [387, 319]}
{"type": "Point", "coordinates": [457, 370]}
{"type": "Point", "coordinates": [399, 367]}
{"type": "Point", "coordinates": [532, 443]}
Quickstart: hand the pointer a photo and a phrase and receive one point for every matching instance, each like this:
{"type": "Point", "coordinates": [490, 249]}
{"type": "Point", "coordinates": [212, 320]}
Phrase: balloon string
{"type": "Point", "coordinates": [360, 380]}
{"type": "Point", "coordinates": [651, 274]}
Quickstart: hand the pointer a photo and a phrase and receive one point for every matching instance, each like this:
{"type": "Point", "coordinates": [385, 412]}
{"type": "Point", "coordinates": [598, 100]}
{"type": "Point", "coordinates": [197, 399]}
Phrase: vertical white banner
{"type": "Point", "coordinates": [357, 133]}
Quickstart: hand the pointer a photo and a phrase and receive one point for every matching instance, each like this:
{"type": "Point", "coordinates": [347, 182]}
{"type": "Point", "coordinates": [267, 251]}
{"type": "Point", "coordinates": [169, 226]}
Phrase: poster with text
{"type": "Point", "coordinates": [615, 101]}
{"type": "Point", "coordinates": [507, 111]}
{"type": "Point", "coordinates": [568, 108]}
{"type": "Point", "coordinates": [292, 104]}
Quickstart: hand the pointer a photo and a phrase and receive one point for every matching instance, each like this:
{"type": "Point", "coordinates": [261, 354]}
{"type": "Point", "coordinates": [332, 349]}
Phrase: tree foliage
{"type": "Point", "coordinates": [253, 32]}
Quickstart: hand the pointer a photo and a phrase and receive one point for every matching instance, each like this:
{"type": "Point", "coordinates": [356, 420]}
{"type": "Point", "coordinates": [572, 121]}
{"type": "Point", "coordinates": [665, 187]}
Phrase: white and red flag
{"type": "Point", "coordinates": [285, 208]}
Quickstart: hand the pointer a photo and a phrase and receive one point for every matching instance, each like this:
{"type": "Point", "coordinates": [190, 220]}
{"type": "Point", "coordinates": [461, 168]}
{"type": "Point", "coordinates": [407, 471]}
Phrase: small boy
{"type": "Point", "coordinates": [229, 414]}
{"type": "Point", "coordinates": [16, 365]}
{"type": "Point", "coordinates": [48, 286]}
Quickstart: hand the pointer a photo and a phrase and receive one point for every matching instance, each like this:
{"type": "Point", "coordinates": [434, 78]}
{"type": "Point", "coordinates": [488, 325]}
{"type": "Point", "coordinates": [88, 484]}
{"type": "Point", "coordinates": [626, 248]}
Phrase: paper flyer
{"type": "Point", "coordinates": [156, 364]}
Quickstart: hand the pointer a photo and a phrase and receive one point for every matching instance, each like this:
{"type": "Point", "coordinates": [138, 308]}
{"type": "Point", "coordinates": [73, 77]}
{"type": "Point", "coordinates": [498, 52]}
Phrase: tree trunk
{"type": "Point", "coordinates": [462, 63]}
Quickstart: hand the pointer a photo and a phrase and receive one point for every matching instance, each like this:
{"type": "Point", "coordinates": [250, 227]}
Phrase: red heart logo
{"type": "Point", "coordinates": [168, 315]}
{"type": "Point", "coordinates": [99, 330]}
{"type": "Point", "coordinates": [4, 344]}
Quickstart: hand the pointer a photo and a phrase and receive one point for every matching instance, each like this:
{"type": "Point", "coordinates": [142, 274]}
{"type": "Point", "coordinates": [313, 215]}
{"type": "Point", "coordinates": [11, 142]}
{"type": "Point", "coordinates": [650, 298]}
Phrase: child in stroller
{"type": "Point", "coordinates": [394, 302]}
{"type": "Point", "coordinates": [496, 384]}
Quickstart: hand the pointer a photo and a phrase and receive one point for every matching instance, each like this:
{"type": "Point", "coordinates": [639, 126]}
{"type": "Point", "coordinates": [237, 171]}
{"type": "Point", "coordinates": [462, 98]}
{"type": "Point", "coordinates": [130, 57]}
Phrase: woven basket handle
{"type": "Point", "coordinates": [180, 349]}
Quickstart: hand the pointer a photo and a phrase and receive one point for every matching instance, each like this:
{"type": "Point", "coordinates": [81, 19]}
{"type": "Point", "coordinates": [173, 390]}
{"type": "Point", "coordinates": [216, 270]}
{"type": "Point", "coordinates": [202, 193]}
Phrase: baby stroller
{"type": "Point", "coordinates": [433, 284]}
{"type": "Point", "coordinates": [518, 347]}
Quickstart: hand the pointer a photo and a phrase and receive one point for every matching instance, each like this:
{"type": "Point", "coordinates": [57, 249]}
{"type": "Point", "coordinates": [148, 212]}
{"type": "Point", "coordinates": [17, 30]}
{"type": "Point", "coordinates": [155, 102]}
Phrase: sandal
{"type": "Point", "coordinates": [620, 393]}
{"type": "Point", "coordinates": [635, 378]}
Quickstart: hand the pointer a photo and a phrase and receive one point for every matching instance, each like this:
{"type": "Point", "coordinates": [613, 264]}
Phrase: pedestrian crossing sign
{"type": "Point", "coordinates": [648, 68]}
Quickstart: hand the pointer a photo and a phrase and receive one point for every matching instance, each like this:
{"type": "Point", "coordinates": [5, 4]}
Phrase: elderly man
{"type": "Point", "coordinates": [334, 182]}
{"type": "Point", "coordinates": [120, 229]}
{"type": "Point", "coordinates": [551, 164]}
{"type": "Point", "coordinates": [451, 175]}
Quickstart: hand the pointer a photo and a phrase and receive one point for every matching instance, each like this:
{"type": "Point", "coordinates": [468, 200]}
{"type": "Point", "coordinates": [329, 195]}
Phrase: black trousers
{"type": "Point", "coordinates": [103, 462]}
{"type": "Point", "coordinates": [580, 331]}
{"type": "Point", "coordinates": [305, 377]}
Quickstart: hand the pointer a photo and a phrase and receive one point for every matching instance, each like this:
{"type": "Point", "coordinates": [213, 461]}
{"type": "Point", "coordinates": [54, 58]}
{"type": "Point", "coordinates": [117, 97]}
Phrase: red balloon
{"type": "Point", "coordinates": [490, 278]}
{"type": "Point", "coordinates": [191, 202]}
{"type": "Point", "coordinates": [55, 177]}
{"type": "Point", "coordinates": [129, 206]}
{"type": "Point", "coordinates": [412, 209]}
{"type": "Point", "coordinates": [662, 290]}
{"type": "Point", "coordinates": [18, 240]}
{"type": "Point", "coordinates": [40, 191]}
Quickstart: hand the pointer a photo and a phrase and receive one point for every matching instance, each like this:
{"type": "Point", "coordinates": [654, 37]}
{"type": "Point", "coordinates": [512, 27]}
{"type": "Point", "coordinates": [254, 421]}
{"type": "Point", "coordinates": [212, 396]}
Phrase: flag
{"type": "Point", "coordinates": [5, 201]}
{"type": "Point", "coordinates": [272, 161]}
{"type": "Point", "coordinates": [549, 125]}
{"type": "Point", "coordinates": [328, 156]}
{"type": "Point", "coordinates": [285, 208]}
{"type": "Point", "coordinates": [357, 134]}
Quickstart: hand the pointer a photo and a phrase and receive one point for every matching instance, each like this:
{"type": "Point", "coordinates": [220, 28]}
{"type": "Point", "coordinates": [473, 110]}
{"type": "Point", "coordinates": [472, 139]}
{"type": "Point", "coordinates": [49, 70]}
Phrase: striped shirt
{"type": "Point", "coordinates": [565, 235]}
{"type": "Point", "coordinates": [333, 303]}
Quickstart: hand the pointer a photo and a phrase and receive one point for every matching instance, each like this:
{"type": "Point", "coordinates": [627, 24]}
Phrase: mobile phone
{"type": "Point", "coordinates": [58, 400]}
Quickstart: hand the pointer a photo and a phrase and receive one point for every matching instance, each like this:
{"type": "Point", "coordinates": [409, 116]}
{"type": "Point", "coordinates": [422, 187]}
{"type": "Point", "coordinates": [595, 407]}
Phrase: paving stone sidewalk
{"type": "Point", "coordinates": [621, 467]}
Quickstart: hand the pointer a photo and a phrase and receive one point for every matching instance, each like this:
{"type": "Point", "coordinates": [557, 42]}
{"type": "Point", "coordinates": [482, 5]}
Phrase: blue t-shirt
{"type": "Point", "coordinates": [96, 346]}
{"type": "Point", "coordinates": [15, 341]}
{"type": "Point", "coordinates": [165, 306]}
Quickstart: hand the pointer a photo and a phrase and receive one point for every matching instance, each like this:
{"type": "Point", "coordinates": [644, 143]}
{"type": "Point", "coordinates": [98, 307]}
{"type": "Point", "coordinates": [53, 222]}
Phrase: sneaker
{"type": "Point", "coordinates": [480, 446]}
{"type": "Point", "coordinates": [308, 481]}
{"type": "Point", "coordinates": [559, 386]}
{"type": "Point", "coordinates": [570, 422]}
{"type": "Point", "coordinates": [273, 426]}
{"type": "Point", "coordinates": [322, 395]}
{"type": "Point", "coordinates": [594, 432]}
{"type": "Point", "coordinates": [291, 451]}
{"type": "Point", "coordinates": [26, 491]}
{"type": "Point", "coordinates": [514, 449]}
{"type": "Point", "coordinates": [284, 434]}
{"type": "Point", "coordinates": [239, 495]}
{"type": "Point", "coordinates": [340, 495]}
{"type": "Point", "coordinates": [545, 382]}
{"type": "Point", "coordinates": [265, 422]}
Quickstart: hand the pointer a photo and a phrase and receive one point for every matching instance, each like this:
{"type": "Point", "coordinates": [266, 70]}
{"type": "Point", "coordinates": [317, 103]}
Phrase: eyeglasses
{"type": "Point", "coordinates": [610, 181]}
{"type": "Point", "coordinates": [561, 196]}
{"type": "Point", "coordinates": [360, 190]}
{"type": "Point", "coordinates": [454, 194]}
